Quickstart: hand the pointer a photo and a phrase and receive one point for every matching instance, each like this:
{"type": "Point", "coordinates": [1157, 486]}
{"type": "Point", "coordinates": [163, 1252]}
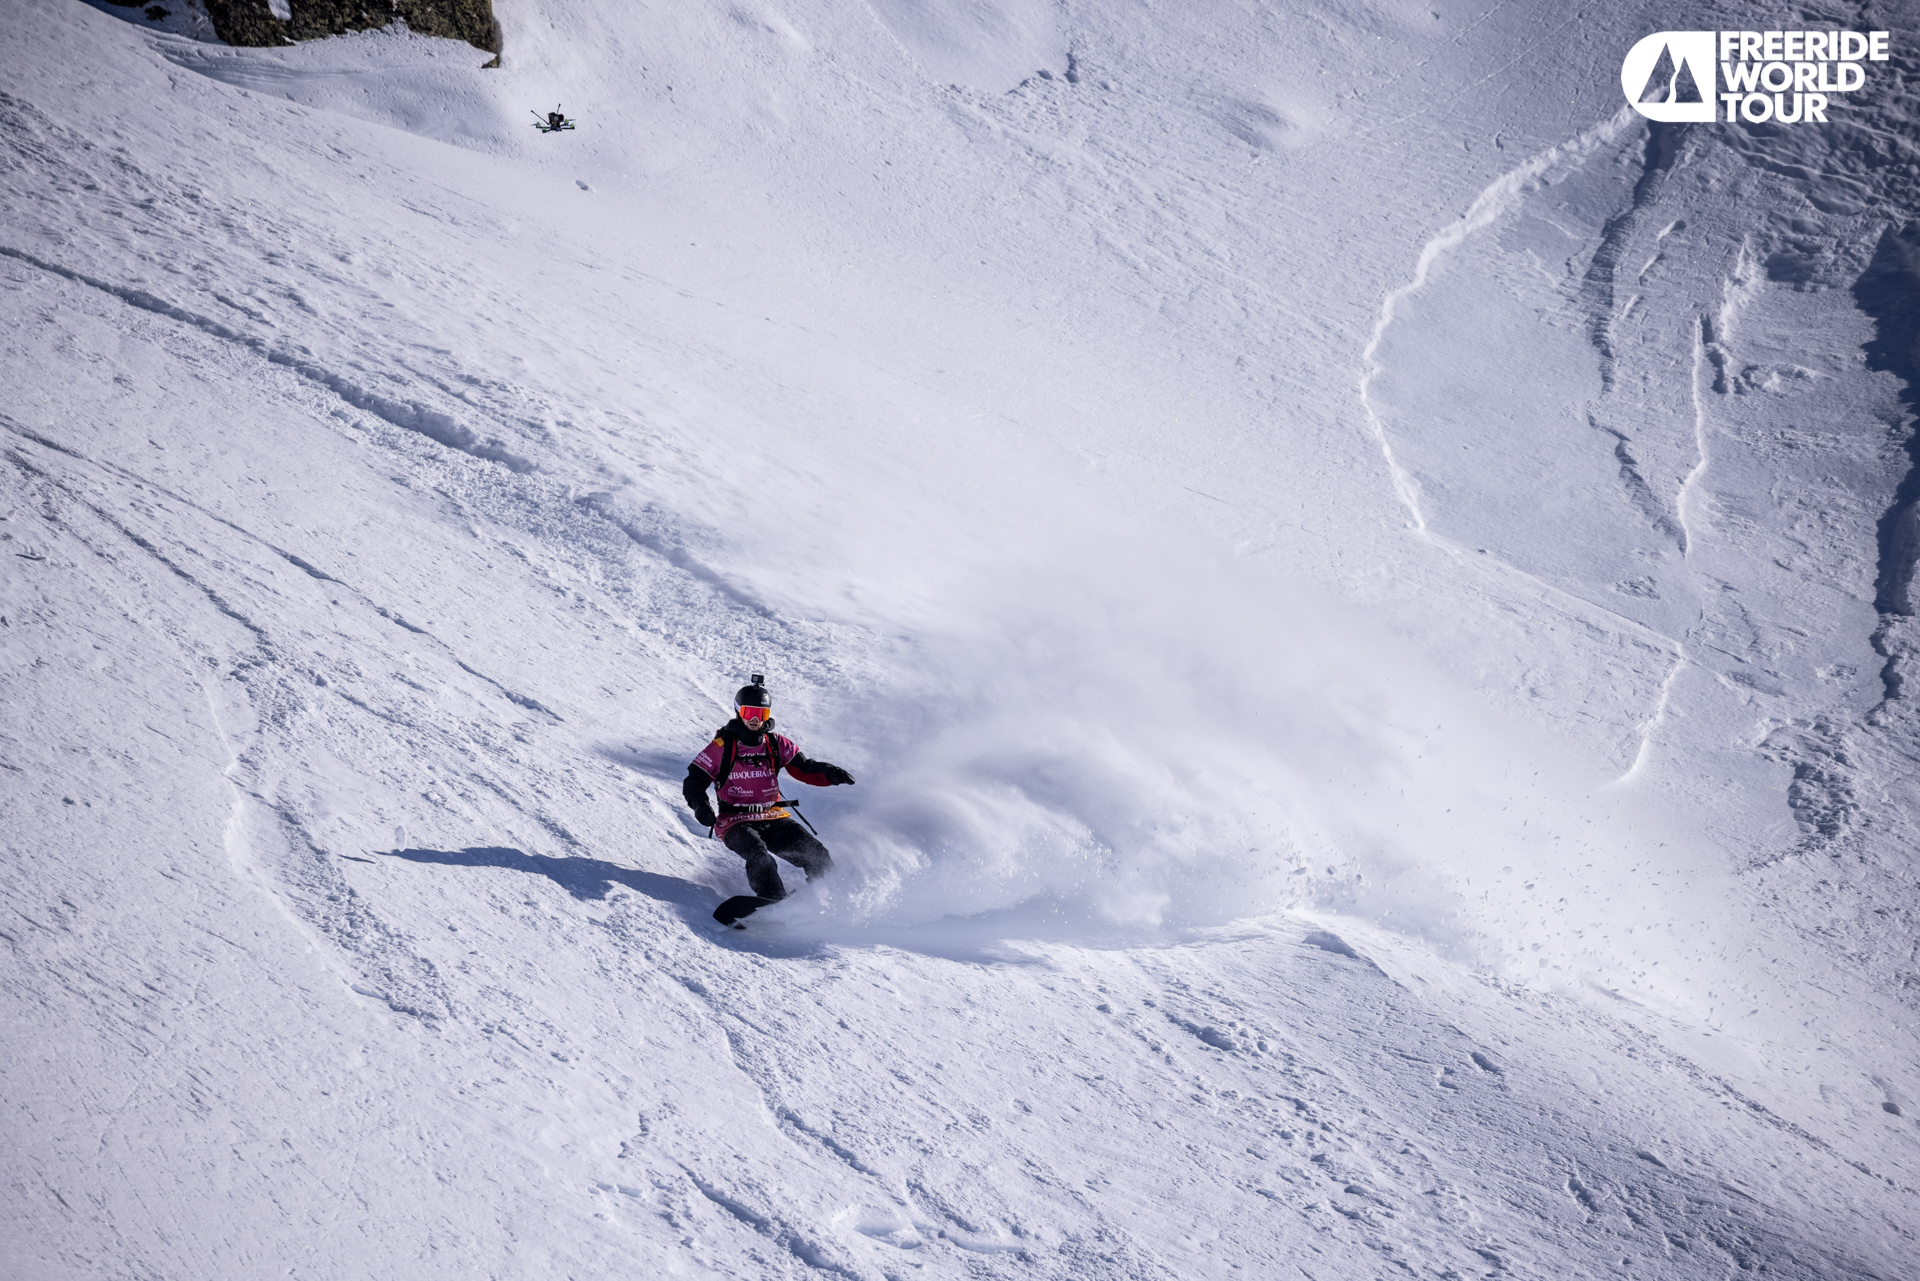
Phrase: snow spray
{"type": "Point", "coordinates": [1145, 742]}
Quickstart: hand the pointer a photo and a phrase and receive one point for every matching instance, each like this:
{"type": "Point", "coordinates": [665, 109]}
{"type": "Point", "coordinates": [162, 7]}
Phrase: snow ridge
{"type": "Point", "coordinates": [220, 603]}
{"type": "Point", "coordinates": [415, 417]}
{"type": "Point", "coordinates": [1597, 291]}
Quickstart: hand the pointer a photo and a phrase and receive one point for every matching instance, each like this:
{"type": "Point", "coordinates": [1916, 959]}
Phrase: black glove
{"type": "Point", "coordinates": [835, 775]}
{"type": "Point", "coordinates": [703, 813]}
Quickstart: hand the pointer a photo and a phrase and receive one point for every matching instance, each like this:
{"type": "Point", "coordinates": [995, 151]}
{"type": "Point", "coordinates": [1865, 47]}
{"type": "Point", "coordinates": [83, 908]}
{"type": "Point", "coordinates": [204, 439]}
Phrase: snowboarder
{"type": "Point", "coordinates": [742, 764]}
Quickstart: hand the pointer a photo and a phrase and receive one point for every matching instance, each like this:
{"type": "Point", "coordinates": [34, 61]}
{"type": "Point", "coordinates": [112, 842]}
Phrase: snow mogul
{"type": "Point", "coordinates": [742, 765]}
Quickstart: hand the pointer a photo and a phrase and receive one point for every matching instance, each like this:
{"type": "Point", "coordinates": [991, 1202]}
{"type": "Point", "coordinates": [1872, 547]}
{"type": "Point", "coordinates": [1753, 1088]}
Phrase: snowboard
{"type": "Point", "coordinates": [738, 907]}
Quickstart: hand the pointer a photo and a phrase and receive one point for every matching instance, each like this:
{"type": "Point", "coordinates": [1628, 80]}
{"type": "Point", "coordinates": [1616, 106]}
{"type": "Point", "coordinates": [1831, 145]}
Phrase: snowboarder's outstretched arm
{"type": "Point", "coordinates": [694, 788]}
{"type": "Point", "coordinates": [818, 773]}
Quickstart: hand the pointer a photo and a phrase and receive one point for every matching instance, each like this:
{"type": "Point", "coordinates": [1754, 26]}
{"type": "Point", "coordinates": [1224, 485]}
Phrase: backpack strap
{"type": "Point", "coordinates": [731, 751]}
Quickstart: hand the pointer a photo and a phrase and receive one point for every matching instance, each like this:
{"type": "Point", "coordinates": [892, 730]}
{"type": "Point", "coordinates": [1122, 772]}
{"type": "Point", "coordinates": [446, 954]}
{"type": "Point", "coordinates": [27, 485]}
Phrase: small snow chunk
{"type": "Point", "coordinates": [1487, 1063]}
{"type": "Point", "coordinates": [1891, 1107]}
{"type": "Point", "coordinates": [1331, 943]}
{"type": "Point", "coordinates": [582, 184]}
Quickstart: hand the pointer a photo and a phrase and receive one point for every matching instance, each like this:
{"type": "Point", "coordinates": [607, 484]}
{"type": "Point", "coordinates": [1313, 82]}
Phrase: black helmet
{"type": "Point", "coordinates": [753, 695]}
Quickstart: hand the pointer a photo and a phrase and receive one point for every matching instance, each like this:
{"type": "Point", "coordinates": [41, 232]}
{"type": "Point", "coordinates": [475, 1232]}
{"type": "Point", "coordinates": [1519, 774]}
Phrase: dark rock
{"type": "Point", "coordinates": [251, 23]}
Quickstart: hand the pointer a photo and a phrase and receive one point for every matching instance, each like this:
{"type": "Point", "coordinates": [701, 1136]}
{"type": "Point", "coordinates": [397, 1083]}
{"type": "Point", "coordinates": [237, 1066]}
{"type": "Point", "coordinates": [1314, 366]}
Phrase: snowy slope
{"type": "Point", "coordinates": [1363, 586]}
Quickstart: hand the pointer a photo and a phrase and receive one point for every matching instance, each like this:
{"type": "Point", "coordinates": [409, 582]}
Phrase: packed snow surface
{"type": "Point", "coordinates": [1366, 587]}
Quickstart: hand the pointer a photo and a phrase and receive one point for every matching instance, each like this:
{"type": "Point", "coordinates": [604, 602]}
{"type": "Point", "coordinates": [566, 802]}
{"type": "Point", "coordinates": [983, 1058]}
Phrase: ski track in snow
{"type": "Point", "coordinates": [1699, 467]}
{"type": "Point", "coordinates": [1499, 198]}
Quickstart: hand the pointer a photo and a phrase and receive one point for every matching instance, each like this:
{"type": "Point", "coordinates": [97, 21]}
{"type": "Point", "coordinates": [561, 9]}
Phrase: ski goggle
{"type": "Point", "coordinates": [754, 715]}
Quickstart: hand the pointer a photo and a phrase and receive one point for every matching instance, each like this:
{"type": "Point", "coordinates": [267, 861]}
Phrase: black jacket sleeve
{"type": "Point", "coordinates": [694, 788]}
{"type": "Point", "coordinates": [819, 773]}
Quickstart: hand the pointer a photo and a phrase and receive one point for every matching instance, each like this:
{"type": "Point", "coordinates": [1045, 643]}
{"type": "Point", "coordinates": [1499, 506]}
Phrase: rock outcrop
{"type": "Point", "coordinates": [252, 22]}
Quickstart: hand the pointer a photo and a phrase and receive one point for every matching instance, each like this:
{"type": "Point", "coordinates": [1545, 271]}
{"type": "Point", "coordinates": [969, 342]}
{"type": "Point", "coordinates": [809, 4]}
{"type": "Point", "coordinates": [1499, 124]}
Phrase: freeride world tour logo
{"type": "Point", "coordinates": [1785, 76]}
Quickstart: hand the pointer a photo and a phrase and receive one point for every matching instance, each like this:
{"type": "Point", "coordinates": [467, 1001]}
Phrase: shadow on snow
{"type": "Point", "coordinates": [786, 930]}
{"type": "Point", "coordinates": [590, 879]}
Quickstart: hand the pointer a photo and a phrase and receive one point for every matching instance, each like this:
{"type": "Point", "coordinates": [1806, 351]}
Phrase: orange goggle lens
{"type": "Point", "coordinates": [754, 715]}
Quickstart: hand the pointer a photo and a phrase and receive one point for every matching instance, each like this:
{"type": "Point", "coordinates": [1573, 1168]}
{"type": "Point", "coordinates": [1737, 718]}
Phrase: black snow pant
{"type": "Point", "coordinates": [758, 842]}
